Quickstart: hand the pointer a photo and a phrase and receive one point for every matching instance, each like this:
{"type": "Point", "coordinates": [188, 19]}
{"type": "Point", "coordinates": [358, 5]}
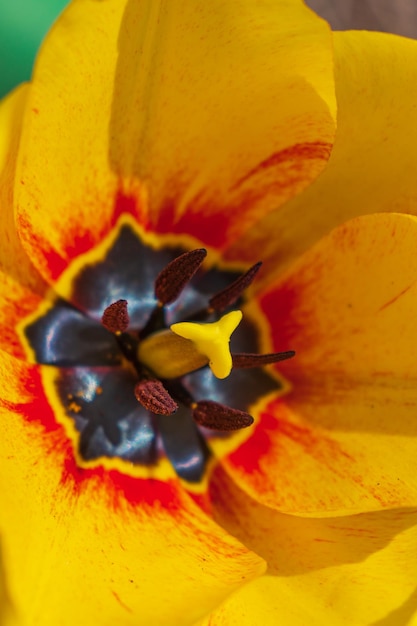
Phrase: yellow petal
{"type": "Point", "coordinates": [21, 288]}
{"type": "Point", "coordinates": [211, 110]}
{"type": "Point", "coordinates": [99, 547]}
{"type": "Point", "coordinates": [354, 570]}
{"type": "Point", "coordinates": [68, 189]}
{"type": "Point", "coordinates": [7, 615]}
{"type": "Point", "coordinates": [343, 440]}
{"type": "Point", "coordinates": [373, 162]}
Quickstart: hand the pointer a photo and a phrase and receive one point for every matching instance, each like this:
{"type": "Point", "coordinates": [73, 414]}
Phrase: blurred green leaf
{"type": "Point", "coordinates": [23, 24]}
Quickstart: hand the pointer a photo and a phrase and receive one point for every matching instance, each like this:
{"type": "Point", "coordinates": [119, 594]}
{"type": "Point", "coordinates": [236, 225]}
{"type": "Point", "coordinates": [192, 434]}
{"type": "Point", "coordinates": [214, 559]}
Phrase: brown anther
{"type": "Point", "coordinates": [116, 318]}
{"type": "Point", "coordinates": [244, 359]}
{"type": "Point", "coordinates": [228, 296]}
{"type": "Point", "coordinates": [173, 278]}
{"type": "Point", "coordinates": [153, 396]}
{"type": "Point", "coordinates": [220, 417]}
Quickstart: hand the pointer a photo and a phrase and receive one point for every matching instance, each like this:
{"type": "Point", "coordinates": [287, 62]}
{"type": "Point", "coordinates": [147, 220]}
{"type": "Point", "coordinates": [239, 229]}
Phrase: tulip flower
{"type": "Point", "coordinates": [191, 439]}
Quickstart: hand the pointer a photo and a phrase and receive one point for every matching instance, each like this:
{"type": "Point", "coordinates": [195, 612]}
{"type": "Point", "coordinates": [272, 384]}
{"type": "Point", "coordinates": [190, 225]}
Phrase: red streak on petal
{"type": "Point", "coordinates": [78, 237]}
{"type": "Point", "coordinates": [116, 488]}
{"type": "Point", "coordinates": [122, 604]}
{"type": "Point", "coordinates": [214, 224]}
{"type": "Point", "coordinates": [205, 224]}
{"type": "Point", "coordinates": [274, 431]}
{"type": "Point", "coordinates": [307, 151]}
{"type": "Point", "coordinates": [395, 298]}
{"type": "Point", "coordinates": [218, 224]}
{"type": "Point", "coordinates": [258, 446]}
{"type": "Point", "coordinates": [203, 501]}
{"type": "Point", "coordinates": [126, 204]}
{"type": "Point", "coordinates": [89, 238]}
{"type": "Point", "coordinates": [55, 262]}
{"type": "Point", "coordinates": [288, 330]}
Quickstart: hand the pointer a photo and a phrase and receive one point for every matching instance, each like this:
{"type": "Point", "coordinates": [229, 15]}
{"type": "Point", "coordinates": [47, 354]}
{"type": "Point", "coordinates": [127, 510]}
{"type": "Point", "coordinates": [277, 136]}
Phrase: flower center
{"type": "Point", "coordinates": [160, 354]}
{"type": "Point", "coordinates": [141, 363]}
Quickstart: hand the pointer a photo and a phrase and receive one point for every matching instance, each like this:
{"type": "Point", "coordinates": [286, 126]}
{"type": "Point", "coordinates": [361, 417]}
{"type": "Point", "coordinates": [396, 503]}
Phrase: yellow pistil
{"type": "Point", "coordinates": [189, 346]}
{"type": "Point", "coordinates": [212, 340]}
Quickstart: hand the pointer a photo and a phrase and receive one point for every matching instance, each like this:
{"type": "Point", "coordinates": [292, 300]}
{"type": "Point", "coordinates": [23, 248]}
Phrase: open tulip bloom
{"type": "Point", "coordinates": [188, 438]}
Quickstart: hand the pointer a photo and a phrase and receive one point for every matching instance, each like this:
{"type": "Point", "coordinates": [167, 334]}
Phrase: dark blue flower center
{"type": "Point", "coordinates": [94, 385]}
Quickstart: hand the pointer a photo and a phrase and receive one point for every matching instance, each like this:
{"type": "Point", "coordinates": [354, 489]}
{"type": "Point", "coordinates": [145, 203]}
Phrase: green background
{"type": "Point", "coordinates": [23, 24]}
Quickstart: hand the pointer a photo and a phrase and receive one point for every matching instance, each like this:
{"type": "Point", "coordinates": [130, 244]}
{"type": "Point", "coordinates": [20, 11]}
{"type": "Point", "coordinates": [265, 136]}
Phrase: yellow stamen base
{"type": "Point", "coordinates": [170, 356]}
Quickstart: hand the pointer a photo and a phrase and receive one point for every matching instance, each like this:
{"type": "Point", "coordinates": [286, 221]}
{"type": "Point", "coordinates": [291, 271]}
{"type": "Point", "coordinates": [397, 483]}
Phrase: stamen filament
{"type": "Point", "coordinates": [155, 322]}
